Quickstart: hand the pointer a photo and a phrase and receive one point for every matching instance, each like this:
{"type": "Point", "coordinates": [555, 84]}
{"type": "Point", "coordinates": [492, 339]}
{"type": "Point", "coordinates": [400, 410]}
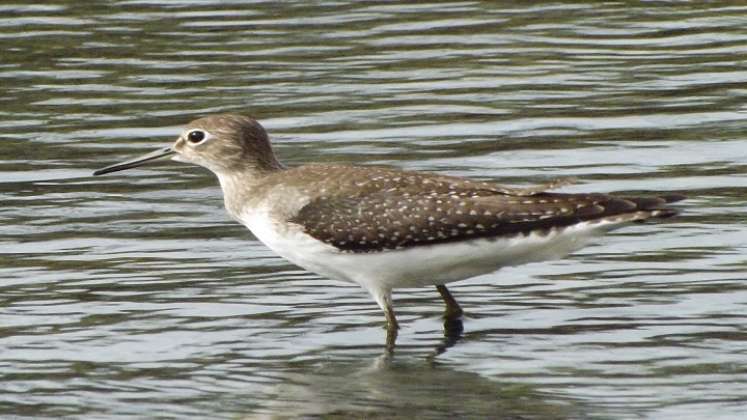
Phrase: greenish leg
{"type": "Point", "coordinates": [453, 310]}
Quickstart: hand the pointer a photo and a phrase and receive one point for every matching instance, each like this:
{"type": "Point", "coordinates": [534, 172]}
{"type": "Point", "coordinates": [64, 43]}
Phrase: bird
{"type": "Point", "coordinates": [387, 228]}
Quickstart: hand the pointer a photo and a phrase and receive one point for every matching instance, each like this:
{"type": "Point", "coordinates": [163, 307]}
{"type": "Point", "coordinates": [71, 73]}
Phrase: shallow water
{"type": "Point", "coordinates": [134, 295]}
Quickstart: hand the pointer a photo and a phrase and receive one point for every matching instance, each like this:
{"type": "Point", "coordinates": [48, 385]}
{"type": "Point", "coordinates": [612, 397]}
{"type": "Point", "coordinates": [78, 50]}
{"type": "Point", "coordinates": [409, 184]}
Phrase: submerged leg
{"type": "Point", "coordinates": [384, 299]}
{"type": "Point", "coordinates": [453, 310]}
{"type": "Point", "coordinates": [453, 327]}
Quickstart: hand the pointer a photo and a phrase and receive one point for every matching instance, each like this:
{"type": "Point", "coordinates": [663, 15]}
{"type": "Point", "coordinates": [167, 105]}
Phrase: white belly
{"type": "Point", "coordinates": [421, 265]}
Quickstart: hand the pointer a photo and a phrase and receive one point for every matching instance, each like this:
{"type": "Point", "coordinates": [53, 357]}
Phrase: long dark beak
{"type": "Point", "coordinates": [135, 162]}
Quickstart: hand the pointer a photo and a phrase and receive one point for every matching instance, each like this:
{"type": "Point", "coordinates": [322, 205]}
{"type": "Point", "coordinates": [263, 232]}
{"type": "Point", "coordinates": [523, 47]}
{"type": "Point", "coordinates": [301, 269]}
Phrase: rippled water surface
{"type": "Point", "coordinates": [134, 296]}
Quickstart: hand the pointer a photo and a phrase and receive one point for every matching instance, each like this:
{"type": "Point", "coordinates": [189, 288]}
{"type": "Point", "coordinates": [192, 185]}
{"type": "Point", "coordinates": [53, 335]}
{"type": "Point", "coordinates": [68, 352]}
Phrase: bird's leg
{"type": "Point", "coordinates": [384, 299]}
{"type": "Point", "coordinates": [391, 328]}
{"type": "Point", "coordinates": [453, 310]}
{"type": "Point", "coordinates": [453, 327]}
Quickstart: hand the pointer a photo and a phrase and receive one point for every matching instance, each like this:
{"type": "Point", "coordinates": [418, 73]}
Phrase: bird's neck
{"type": "Point", "coordinates": [241, 187]}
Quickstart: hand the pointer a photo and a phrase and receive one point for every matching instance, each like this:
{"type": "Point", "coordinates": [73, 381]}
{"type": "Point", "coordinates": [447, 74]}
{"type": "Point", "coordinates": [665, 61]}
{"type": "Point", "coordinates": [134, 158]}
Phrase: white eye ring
{"type": "Point", "coordinates": [197, 136]}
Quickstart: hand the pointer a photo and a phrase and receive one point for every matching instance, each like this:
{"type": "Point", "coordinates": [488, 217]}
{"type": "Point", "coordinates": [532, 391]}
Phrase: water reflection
{"type": "Point", "coordinates": [453, 331]}
{"type": "Point", "coordinates": [409, 387]}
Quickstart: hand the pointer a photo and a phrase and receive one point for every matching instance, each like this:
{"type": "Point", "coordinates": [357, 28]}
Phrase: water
{"type": "Point", "coordinates": [134, 295]}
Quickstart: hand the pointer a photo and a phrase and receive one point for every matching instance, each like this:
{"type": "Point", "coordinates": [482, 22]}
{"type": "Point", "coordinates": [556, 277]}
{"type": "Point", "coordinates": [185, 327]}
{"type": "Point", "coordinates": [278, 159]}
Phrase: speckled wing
{"type": "Point", "coordinates": [386, 221]}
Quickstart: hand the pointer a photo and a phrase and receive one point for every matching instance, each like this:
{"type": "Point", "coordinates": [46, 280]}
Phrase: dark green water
{"type": "Point", "coordinates": [135, 296]}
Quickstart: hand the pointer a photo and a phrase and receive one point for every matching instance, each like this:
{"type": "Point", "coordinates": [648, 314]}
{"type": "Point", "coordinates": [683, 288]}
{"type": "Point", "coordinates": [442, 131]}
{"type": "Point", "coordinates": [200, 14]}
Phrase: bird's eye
{"type": "Point", "coordinates": [196, 136]}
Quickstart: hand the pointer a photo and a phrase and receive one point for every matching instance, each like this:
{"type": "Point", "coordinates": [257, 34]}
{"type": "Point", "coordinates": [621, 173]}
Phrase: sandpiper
{"type": "Point", "coordinates": [386, 228]}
